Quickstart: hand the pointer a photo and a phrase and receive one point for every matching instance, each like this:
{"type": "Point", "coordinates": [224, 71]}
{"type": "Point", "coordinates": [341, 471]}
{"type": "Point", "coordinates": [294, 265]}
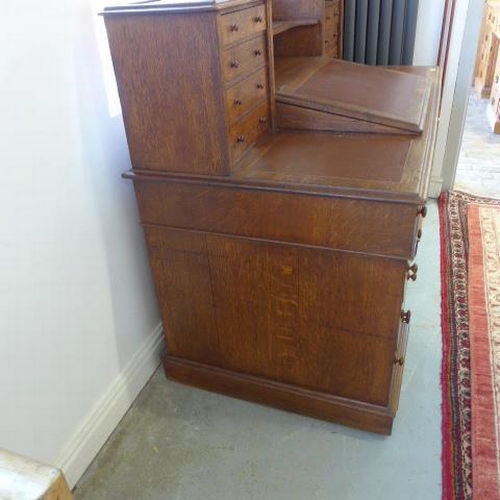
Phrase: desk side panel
{"type": "Point", "coordinates": [167, 69]}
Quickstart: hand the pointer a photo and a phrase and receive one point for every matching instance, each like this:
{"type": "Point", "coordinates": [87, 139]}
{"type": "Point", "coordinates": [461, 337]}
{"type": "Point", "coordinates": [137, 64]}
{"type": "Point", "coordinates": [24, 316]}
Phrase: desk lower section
{"type": "Point", "coordinates": [307, 329]}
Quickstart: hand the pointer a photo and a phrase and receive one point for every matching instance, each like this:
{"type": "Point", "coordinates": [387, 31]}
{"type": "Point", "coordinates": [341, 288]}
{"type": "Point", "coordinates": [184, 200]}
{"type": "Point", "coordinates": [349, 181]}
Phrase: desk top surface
{"type": "Point", "coordinates": [360, 165]}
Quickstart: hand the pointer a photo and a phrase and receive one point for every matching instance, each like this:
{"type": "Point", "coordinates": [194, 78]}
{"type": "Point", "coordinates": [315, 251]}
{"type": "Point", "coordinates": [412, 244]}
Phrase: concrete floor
{"type": "Point", "coordinates": [478, 169]}
{"type": "Point", "coordinates": [180, 443]}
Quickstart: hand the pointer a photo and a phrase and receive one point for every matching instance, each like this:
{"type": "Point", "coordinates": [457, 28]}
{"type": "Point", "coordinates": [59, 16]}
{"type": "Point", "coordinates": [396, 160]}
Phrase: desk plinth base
{"type": "Point", "coordinates": [279, 395]}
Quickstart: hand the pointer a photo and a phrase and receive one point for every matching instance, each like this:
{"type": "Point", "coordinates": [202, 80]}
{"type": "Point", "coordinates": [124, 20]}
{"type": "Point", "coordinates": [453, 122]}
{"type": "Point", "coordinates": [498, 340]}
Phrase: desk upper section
{"type": "Point", "coordinates": [205, 95]}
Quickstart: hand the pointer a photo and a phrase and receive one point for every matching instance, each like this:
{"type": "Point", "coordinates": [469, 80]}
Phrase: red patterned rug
{"type": "Point", "coordinates": [470, 277]}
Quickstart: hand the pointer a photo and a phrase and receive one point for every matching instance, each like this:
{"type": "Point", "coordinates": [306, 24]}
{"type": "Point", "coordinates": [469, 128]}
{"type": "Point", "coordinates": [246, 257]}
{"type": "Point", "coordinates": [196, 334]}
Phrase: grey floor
{"type": "Point", "coordinates": [182, 443]}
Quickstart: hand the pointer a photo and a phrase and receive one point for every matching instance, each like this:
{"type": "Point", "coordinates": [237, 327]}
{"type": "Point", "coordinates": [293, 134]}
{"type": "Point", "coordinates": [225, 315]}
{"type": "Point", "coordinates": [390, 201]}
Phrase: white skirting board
{"type": "Point", "coordinates": [86, 442]}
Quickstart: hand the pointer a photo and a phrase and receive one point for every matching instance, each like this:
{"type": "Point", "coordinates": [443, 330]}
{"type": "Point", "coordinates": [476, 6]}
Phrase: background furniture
{"type": "Point", "coordinates": [282, 194]}
{"type": "Point", "coordinates": [493, 109]}
{"type": "Point", "coordinates": [487, 70]}
{"type": "Point", "coordinates": [488, 50]}
{"type": "Point", "coordinates": [333, 31]}
{"type": "Point", "coordinates": [22, 478]}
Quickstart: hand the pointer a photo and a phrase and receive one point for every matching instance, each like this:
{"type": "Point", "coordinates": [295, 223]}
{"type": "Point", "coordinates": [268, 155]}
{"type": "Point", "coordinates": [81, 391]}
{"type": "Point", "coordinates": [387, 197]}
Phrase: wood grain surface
{"type": "Point", "coordinates": [376, 228]}
{"type": "Point", "coordinates": [381, 95]}
{"type": "Point", "coordinates": [156, 62]}
{"type": "Point", "coordinates": [280, 256]}
{"type": "Point", "coordinates": [279, 395]}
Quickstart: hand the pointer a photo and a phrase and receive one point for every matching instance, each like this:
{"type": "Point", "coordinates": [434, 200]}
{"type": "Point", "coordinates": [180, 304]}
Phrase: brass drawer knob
{"type": "Point", "coordinates": [257, 52]}
{"type": "Point", "coordinates": [411, 274]}
{"type": "Point", "coordinates": [260, 86]}
{"type": "Point", "coordinates": [240, 139]}
{"type": "Point", "coordinates": [406, 317]}
{"type": "Point", "coordinates": [400, 361]}
{"type": "Point", "coordinates": [258, 19]}
{"type": "Point", "coordinates": [422, 211]}
{"type": "Point", "coordinates": [238, 102]}
{"type": "Point", "coordinates": [262, 119]}
{"type": "Point", "coordinates": [234, 27]}
{"type": "Point", "coordinates": [235, 64]}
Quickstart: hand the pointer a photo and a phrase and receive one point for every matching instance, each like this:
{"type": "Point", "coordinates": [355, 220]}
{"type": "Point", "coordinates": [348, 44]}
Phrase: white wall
{"type": "Point", "coordinates": [79, 322]}
{"type": "Point", "coordinates": [457, 84]}
{"type": "Point", "coordinates": [456, 90]}
{"type": "Point", "coordinates": [427, 37]}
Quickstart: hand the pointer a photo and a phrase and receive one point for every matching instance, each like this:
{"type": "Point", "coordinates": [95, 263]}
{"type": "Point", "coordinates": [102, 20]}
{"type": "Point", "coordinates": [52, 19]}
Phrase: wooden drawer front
{"type": "Point", "coordinates": [399, 360]}
{"type": "Point", "coordinates": [242, 24]}
{"type": "Point", "coordinates": [245, 132]}
{"type": "Point", "coordinates": [331, 47]}
{"type": "Point", "coordinates": [332, 30]}
{"type": "Point", "coordinates": [495, 87]}
{"type": "Point", "coordinates": [492, 17]}
{"type": "Point", "coordinates": [332, 17]}
{"type": "Point", "coordinates": [245, 95]}
{"type": "Point", "coordinates": [244, 59]}
{"type": "Point", "coordinates": [355, 225]}
{"type": "Point", "coordinates": [368, 292]}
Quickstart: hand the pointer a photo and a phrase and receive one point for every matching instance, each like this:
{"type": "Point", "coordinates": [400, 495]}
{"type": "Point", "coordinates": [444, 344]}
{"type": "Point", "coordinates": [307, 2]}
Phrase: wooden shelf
{"type": "Point", "coordinates": [286, 24]}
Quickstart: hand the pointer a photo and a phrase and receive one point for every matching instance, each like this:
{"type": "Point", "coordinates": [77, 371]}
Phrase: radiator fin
{"type": "Point", "coordinates": [380, 31]}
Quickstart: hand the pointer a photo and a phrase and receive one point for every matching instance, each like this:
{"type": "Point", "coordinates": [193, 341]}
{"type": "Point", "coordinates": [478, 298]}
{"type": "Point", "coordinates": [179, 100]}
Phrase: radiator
{"type": "Point", "coordinates": [380, 31]}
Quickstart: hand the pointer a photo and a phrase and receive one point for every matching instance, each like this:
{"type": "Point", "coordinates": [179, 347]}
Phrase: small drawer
{"type": "Point", "coordinates": [336, 12]}
{"type": "Point", "coordinates": [242, 24]}
{"type": "Point", "coordinates": [330, 25]}
{"type": "Point", "coordinates": [243, 96]}
{"type": "Point", "coordinates": [331, 28]}
{"type": "Point", "coordinates": [244, 59]}
{"type": "Point", "coordinates": [332, 16]}
{"type": "Point", "coordinates": [245, 132]}
{"type": "Point", "coordinates": [335, 52]}
{"type": "Point", "coordinates": [329, 48]}
{"type": "Point", "coordinates": [399, 361]}
{"type": "Point", "coordinates": [332, 43]}
{"type": "Point", "coordinates": [492, 17]}
{"type": "Point", "coordinates": [329, 12]}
